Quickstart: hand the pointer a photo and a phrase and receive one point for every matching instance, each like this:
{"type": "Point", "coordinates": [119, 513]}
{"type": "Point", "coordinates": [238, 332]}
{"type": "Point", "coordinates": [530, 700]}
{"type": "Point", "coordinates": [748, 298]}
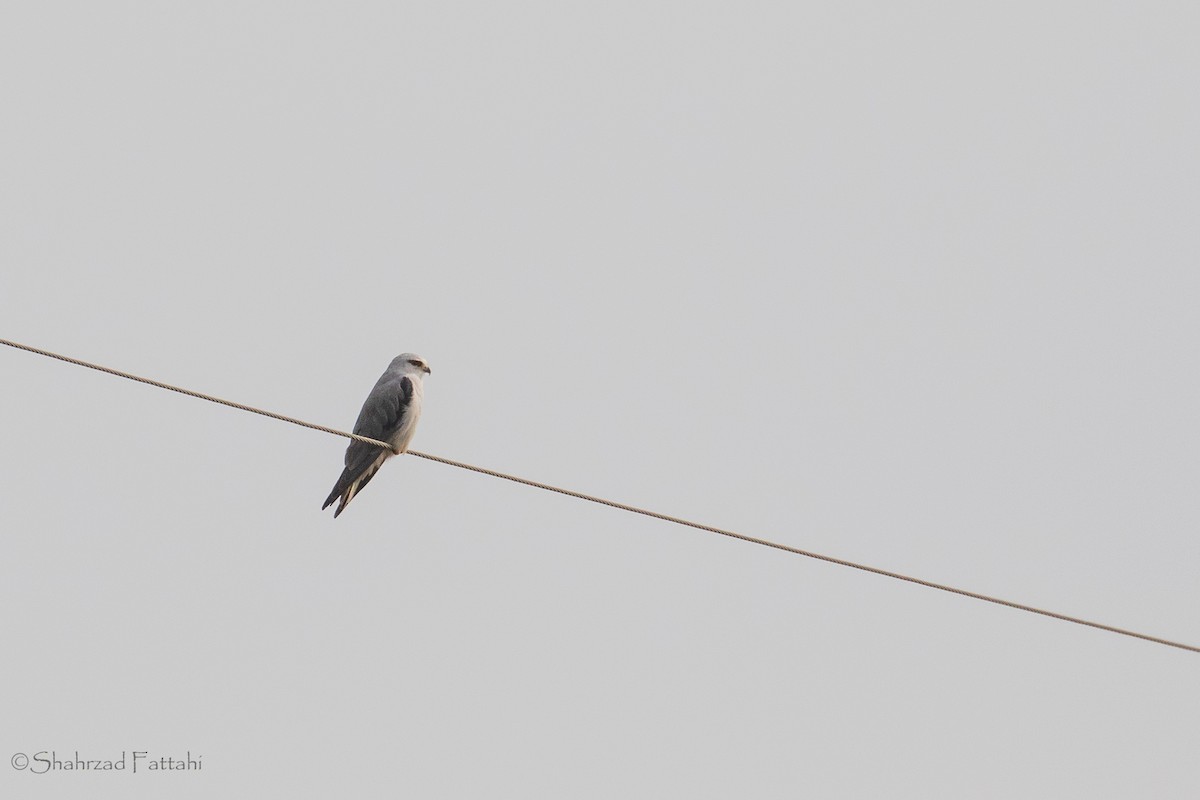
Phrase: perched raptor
{"type": "Point", "coordinates": [390, 415]}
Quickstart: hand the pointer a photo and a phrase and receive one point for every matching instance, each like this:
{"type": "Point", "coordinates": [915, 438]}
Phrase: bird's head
{"type": "Point", "coordinates": [412, 363]}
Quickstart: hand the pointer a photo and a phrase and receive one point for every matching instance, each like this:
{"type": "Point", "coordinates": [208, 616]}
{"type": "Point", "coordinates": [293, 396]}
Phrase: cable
{"type": "Point", "coordinates": [613, 504]}
{"type": "Point", "coordinates": [190, 393]}
{"type": "Point", "coordinates": [809, 554]}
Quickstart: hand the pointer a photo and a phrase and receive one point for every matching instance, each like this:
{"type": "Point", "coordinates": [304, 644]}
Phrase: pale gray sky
{"type": "Point", "coordinates": [914, 285]}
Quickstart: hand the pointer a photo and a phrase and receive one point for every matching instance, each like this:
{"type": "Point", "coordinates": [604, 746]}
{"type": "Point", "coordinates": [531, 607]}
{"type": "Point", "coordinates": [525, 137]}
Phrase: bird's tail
{"type": "Point", "coordinates": [350, 484]}
{"type": "Point", "coordinates": [343, 489]}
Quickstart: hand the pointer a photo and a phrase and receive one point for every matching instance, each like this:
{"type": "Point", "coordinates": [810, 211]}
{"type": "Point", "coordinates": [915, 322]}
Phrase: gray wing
{"type": "Point", "coordinates": [380, 417]}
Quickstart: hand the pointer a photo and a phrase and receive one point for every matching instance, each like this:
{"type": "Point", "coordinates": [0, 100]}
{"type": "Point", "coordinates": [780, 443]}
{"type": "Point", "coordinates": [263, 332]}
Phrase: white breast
{"type": "Point", "coordinates": [408, 422]}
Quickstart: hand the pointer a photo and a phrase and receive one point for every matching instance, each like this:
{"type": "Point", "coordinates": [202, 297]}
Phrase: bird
{"type": "Point", "coordinates": [389, 414]}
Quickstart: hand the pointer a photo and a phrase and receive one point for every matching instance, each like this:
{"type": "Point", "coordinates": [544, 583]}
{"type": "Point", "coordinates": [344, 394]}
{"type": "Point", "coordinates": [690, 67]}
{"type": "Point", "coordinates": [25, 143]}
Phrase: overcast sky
{"type": "Point", "coordinates": [909, 284]}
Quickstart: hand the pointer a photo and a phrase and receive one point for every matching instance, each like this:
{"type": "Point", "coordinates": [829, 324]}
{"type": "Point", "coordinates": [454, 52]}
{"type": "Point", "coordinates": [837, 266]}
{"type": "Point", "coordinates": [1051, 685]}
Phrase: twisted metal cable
{"type": "Point", "coordinates": [633, 509]}
{"type": "Point", "coordinates": [809, 554]}
{"type": "Point", "coordinates": [191, 393]}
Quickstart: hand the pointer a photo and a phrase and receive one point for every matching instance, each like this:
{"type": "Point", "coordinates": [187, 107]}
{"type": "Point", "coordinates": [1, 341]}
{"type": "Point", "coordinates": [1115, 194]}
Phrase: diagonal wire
{"type": "Point", "coordinates": [199, 395]}
{"type": "Point", "coordinates": [809, 554]}
{"type": "Point", "coordinates": [633, 509]}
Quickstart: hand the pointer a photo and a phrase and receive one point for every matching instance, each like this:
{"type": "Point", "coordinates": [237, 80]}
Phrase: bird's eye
{"type": "Point", "coordinates": [414, 362]}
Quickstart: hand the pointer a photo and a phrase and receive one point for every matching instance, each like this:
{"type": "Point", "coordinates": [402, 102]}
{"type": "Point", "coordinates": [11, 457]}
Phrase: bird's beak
{"type": "Point", "coordinates": [428, 371]}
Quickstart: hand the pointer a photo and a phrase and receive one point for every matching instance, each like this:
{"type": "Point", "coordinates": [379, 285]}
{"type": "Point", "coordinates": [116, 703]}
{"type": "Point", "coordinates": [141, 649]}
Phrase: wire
{"type": "Point", "coordinates": [809, 554]}
{"type": "Point", "coordinates": [190, 393]}
{"type": "Point", "coordinates": [634, 509]}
